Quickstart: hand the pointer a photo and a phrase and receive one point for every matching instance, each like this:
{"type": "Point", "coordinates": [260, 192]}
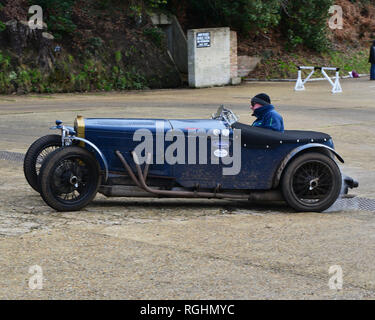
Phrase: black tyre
{"type": "Point", "coordinates": [69, 179]}
{"type": "Point", "coordinates": [35, 156]}
{"type": "Point", "coordinates": [312, 182]}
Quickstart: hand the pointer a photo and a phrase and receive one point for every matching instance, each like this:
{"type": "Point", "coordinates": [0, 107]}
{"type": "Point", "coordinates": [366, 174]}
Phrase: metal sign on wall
{"type": "Point", "coordinates": [203, 39]}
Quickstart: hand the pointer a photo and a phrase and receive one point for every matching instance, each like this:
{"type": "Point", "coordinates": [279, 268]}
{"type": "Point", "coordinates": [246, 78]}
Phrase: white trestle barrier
{"type": "Point", "coordinates": [336, 86]}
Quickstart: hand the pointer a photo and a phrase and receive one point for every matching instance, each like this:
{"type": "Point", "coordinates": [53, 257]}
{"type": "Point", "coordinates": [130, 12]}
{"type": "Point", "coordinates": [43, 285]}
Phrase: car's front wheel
{"type": "Point", "coordinates": [69, 179]}
{"type": "Point", "coordinates": [312, 182]}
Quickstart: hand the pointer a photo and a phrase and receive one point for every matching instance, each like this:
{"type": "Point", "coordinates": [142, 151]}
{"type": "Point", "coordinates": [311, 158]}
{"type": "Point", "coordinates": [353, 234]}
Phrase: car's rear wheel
{"type": "Point", "coordinates": [312, 182]}
{"type": "Point", "coordinates": [36, 155]}
{"type": "Point", "coordinates": [69, 179]}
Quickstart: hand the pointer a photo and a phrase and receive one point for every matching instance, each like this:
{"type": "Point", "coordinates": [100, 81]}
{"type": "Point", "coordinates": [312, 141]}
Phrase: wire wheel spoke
{"type": "Point", "coordinates": [312, 182]}
{"type": "Point", "coordinates": [42, 156]}
{"type": "Point", "coordinates": [70, 180]}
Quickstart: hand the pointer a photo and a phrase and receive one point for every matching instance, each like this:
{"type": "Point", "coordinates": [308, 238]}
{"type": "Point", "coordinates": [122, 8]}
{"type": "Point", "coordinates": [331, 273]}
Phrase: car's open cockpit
{"type": "Point", "coordinates": [255, 137]}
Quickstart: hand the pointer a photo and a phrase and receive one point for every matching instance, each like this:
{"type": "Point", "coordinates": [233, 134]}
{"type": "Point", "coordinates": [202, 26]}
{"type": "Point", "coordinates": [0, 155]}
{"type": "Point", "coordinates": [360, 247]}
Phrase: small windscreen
{"type": "Point", "coordinates": [219, 112]}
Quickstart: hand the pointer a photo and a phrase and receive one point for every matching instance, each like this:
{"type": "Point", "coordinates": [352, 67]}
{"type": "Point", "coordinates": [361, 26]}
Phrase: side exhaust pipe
{"type": "Point", "coordinates": [140, 182]}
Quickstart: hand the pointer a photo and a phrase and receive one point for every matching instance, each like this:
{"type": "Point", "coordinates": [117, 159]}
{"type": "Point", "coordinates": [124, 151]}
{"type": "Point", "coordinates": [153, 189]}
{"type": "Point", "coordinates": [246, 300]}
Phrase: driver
{"type": "Point", "coordinates": [267, 116]}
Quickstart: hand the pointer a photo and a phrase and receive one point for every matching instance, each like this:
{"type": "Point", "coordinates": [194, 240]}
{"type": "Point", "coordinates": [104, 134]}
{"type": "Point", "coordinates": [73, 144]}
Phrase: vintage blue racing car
{"type": "Point", "coordinates": [215, 158]}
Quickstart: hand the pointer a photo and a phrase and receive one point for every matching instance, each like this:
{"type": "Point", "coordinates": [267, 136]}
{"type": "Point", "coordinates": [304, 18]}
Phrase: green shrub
{"type": "Point", "coordinates": [2, 26]}
{"type": "Point", "coordinates": [305, 22]}
{"type": "Point", "coordinates": [293, 40]}
{"type": "Point", "coordinates": [12, 75]}
{"type": "Point", "coordinates": [94, 44]}
{"type": "Point", "coordinates": [135, 12]}
{"type": "Point", "coordinates": [156, 35]}
{"type": "Point", "coordinates": [156, 3]}
{"type": "Point", "coordinates": [58, 15]}
{"type": "Point", "coordinates": [302, 22]}
{"type": "Point", "coordinates": [4, 61]}
{"type": "Point", "coordinates": [70, 58]}
{"type": "Point", "coordinates": [242, 15]}
{"type": "Point", "coordinates": [118, 56]}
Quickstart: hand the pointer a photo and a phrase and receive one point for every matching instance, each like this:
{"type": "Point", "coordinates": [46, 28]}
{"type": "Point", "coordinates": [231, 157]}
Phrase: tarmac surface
{"type": "Point", "coordinates": [190, 249]}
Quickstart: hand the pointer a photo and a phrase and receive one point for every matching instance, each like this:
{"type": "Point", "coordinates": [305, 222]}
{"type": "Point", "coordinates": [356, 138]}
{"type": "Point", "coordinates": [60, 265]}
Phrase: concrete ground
{"type": "Point", "coordinates": [189, 249]}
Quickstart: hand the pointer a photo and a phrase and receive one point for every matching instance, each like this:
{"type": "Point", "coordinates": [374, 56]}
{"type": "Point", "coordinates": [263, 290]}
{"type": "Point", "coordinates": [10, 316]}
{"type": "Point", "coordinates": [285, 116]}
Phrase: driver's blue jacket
{"type": "Point", "coordinates": [268, 118]}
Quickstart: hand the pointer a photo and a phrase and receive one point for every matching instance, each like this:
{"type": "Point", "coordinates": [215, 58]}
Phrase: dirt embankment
{"type": "Point", "coordinates": [117, 48]}
{"type": "Point", "coordinates": [94, 47]}
{"type": "Point", "coordinates": [348, 49]}
{"type": "Point", "coordinates": [358, 24]}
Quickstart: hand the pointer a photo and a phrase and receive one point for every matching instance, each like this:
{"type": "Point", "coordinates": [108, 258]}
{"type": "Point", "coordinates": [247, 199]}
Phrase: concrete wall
{"type": "Point", "coordinates": [209, 66]}
{"type": "Point", "coordinates": [160, 19]}
{"type": "Point", "coordinates": [179, 48]}
{"type": "Point", "coordinates": [233, 55]}
{"type": "Point", "coordinates": [176, 39]}
{"type": "Point", "coordinates": [247, 64]}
